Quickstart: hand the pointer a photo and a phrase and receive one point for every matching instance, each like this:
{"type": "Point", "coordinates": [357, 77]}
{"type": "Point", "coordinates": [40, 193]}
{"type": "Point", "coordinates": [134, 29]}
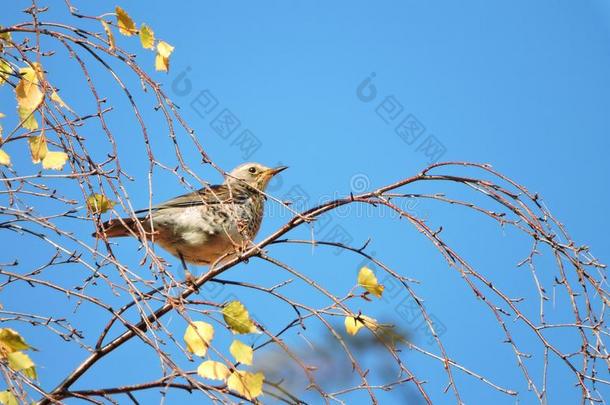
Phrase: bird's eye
{"type": "Point", "coordinates": [252, 170]}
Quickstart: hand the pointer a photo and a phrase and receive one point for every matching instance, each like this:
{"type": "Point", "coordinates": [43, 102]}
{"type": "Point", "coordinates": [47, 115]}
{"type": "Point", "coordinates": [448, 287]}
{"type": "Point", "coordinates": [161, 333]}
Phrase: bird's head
{"type": "Point", "coordinates": [254, 174]}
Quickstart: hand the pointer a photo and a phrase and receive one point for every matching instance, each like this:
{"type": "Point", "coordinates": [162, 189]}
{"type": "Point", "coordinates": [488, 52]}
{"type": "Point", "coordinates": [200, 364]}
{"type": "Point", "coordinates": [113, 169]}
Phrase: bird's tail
{"type": "Point", "coordinates": [116, 228]}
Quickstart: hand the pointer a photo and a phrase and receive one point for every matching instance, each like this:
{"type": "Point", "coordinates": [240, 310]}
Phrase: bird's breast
{"type": "Point", "coordinates": [196, 224]}
{"type": "Point", "coordinates": [202, 233]}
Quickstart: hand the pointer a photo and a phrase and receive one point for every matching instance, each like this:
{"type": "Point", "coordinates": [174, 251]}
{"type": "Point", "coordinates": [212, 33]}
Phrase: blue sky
{"type": "Point", "coordinates": [521, 85]}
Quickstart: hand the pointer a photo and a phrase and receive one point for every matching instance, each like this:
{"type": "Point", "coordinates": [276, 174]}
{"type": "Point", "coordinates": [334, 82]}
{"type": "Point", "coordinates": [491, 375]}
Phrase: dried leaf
{"type": "Point", "coordinates": [55, 97]}
{"type": "Point", "coordinates": [249, 385]}
{"type": "Point", "coordinates": [5, 158]}
{"type": "Point", "coordinates": [38, 148]}
{"type": "Point", "coordinates": [238, 319]}
{"type": "Point", "coordinates": [28, 120]}
{"type": "Point", "coordinates": [54, 160]}
{"type": "Point", "coordinates": [20, 361]}
{"type": "Point", "coordinates": [353, 325]}
{"type": "Point", "coordinates": [5, 36]}
{"type": "Point", "coordinates": [197, 337]}
{"type": "Point", "coordinates": [242, 352]}
{"type": "Point", "coordinates": [367, 280]}
{"type": "Point", "coordinates": [147, 37]}
{"type": "Point", "coordinates": [11, 344]}
{"type": "Point", "coordinates": [11, 341]}
{"type": "Point", "coordinates": [164, 50]}
{"type": "Point", "coordinates": [213, 370]}
{"type": "Point", "coordinates": [99, 203]}
{"type": "Point", "coordinates": [161, 63]}
{"type": "Point", "coordinates": [7, 398]}
{"type": "Point", "coordinates": [28, 90]}
{"type": "Point", "coordinates": [29, 96]}
{"type": "Point", "coordinates": [126, 25]}
{"type": "Point", "coordinates": [5, 71]}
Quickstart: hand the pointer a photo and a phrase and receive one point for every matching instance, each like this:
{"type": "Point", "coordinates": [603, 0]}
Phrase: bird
{"type": "Point", "coordinates": [206, 226]}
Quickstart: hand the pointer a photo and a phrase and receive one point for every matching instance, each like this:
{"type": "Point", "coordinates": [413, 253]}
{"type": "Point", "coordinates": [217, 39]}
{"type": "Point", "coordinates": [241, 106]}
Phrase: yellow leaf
{"type": "Point", "coordinates": [38, 148]}
{"type": "Point", "coordinates": [28, 90]}
{"type": "Point", "coordinates": [98, 204]}
{"type": "Point", "coordinates": [2, 115]}
{"type": "Point", "coordinates": [241, 352]}
{"type": "Point", "coordinates": [164, 50]}
{"type": "Point", "coordinates": [249, 385]}
{"type": "Point", "coordinates": [126, 25]}
{"type": "Point", "coordinates": [5, 36]}
{"type": "Point", "coordinates": [161, 63]}
{"type": "Point", "coordinates": [109, 34]}
{"type": "Point", "coordinates": [54, 160]}
{"type": "Point", "coordinates": [213, 370]}
{"type": "Point", "coordinates": [147, 37]}
{"type": "Point", "coordinates": [238, 319]}
{"type": "Point", "coordinates": [5, 70]}
{"type": "Point", "coordinates": [11, 341]}
{"type": "Point", "coordinates": [11, 344]}
{"type": "Point", "coordinates": [5, 158]}
{"type": "Point", "coordinates": [353, 325]}
{"type": "Point", "coordinates": [198, 336]}
{"type": "Point", "coordinates": [367, 280]}
{"type": "Point", "coordinates": [29, 95]}
{"type": "Point", "coordinates": [7, 398]}
{"type": "Point", "coordinates": [55, 97]}
{"type": "Point", "coordinates": [26, 115]}
{"type": "Point", "coordinates": [20, 361]}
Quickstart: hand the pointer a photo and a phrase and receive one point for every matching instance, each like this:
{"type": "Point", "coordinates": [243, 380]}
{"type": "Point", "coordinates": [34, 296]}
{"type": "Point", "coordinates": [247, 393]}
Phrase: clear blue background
{"type": "Point", "coordinates": [521, 85]}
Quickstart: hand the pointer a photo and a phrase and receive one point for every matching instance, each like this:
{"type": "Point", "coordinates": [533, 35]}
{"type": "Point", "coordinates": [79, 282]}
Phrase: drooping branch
{"type": "Point", "coordinates": [49, 210]}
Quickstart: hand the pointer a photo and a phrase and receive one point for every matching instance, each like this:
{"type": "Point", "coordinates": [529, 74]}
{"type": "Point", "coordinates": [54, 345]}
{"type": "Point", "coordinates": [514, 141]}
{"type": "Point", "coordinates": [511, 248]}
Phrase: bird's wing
{"type": "Point", "coordinates": [216, 194]}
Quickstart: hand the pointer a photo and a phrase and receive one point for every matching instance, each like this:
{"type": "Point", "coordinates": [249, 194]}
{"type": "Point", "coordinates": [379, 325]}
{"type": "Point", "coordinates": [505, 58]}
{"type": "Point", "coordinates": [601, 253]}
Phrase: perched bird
{"type": "Point", "coordinates": [206, 225]}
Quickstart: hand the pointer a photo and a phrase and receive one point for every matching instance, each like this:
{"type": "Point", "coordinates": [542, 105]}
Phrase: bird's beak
{"type": "Point", "coordinates": [276, 170]}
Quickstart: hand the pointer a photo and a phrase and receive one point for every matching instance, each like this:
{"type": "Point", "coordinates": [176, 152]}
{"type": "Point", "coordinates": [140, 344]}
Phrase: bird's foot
{"type": "Point", "coordinates": [244, 247]}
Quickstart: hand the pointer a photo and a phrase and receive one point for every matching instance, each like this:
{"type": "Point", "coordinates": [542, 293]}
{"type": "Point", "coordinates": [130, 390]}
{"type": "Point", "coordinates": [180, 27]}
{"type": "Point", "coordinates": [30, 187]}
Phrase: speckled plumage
{"type": "Point", "coordinates": [207, 225]}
